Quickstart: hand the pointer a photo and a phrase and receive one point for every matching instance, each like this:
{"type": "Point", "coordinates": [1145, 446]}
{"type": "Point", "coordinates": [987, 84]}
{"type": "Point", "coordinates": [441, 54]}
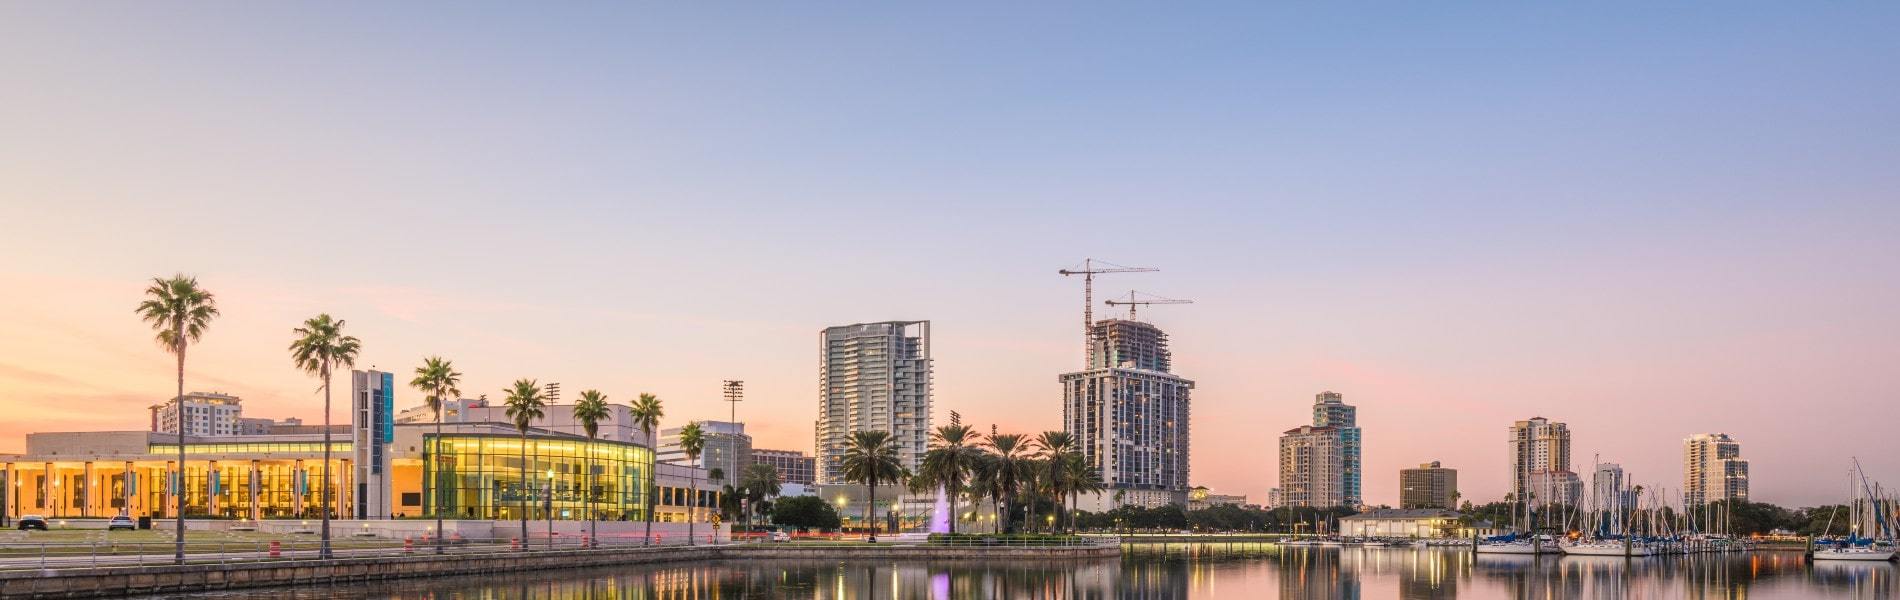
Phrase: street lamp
{"type": "Point", "coordinates": [549, 506]}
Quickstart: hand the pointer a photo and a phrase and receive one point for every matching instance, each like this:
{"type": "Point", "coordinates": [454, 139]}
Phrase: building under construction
{"type": "Point", "coordinates": [1129, 413]}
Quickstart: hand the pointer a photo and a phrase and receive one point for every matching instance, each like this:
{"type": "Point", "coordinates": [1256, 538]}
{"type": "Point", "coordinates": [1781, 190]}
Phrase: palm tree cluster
{"type": "Point", "coordinates": [1012, 471]}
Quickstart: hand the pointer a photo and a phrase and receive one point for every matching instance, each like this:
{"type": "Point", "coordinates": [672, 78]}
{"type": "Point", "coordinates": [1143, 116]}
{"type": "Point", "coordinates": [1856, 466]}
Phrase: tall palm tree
{"type": "Point", "coordinates": [646, 414]}
{"type": "Point", "coordinates": [759, 481]}
{"type": "Point", "coordinates": [985, 482]}
{"type": "Point", "coordinates": [526, 404]}
{"type": "Point", "coordinates": [1081, 479]}
{"type": "Point", "coordinates": [179, 311]}
{"type": "Point", "coordinates": [320, 348]}
{"type": "Point", "coordinates": [948, 464]}
{"type": "Point", "coordinates": [870, 459]}
{"type": "Point", "coordinates": [590, 411]}
{"type": "Point", "coordinates": [692, 442]}
{"type": "Point", "coordinates": [1010, 451]}
{"type": "Point", "coordinates": [437, 380]}
{"type": "Point", "coordinates": [1056, 448]}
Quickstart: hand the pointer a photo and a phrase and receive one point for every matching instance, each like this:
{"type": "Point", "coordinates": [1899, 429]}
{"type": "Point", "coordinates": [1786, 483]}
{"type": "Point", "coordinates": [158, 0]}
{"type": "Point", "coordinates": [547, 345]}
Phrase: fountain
{"type": "Point", "coordinates": [940, 514]}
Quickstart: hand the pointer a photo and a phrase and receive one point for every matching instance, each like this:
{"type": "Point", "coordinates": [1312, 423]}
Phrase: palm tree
{"type": "Point", "coordinates": [590, 411]}
{"type": "Point", "coordinates": [948, 464]}
{"type": "Point", "coordinates": [526, 405]}
{"type": "Point", "coordinates": [437, 380]}
{"type": "Point", "coordinates": [179, 311]}
{"type": "Point", "coordinates": [646, 414]}
{"type": "Point", "coordinates": [759, 481]}
{"type": "Point", "coordinates": [1011, 455]}
{"type": "Point", "coordinates": [985, 476]}
{"type": "Point", "coordinates": [692, 441]}
{"type": "Point", "coordinates": [870, 459]}
{"type": "Point", "coordinates": [1080, 479]}
{"type": "Point", "coordinates": [1057, 447]}
{"type": "Point", "coordinates": [320, 348]}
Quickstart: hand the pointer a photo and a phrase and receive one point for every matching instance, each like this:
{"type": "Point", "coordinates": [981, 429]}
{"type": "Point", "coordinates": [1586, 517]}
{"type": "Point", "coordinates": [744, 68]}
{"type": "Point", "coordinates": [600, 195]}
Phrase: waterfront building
{"type": "Point", "coordinates": [617, 427]}
{"type": "Point", "coordinates": [1537, 444]}
{"type": "Point", "coordinates": [1129, 414]}
{"type": "Point", "coordinates": [794, 467]}
{"type": "Point", "coordinates": [1713, 469]}
{"type": "Point", "coordinates": [873, 377]}
{"type": "Point", "coordinates": [206, 414]}
{"type": "Point", "coordinates": [1311, 465]}
{"type": "Point", "coordinates": [1331, 410]}
{"type": "Point", "coordinates": [728, 449]}
{"type": "Point", "coordinates": [477, 467]}
{"type": "Point", "coordinates": [1275, 498]}
{"type": "Point", "coordinates": [1428, 486]}
{"type": "Point", "coordinates": [1409, 523]}
{"type": "Point", "coordinates": [1200, 498]}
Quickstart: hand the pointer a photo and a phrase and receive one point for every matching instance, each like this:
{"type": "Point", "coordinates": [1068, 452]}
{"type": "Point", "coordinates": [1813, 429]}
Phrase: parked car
{"type": "Point", "coordinates": [780, 536]}
{"type": "Point", "coordinates": [121, 522]}
{"type": "Point", "coordinates": [32, 522]}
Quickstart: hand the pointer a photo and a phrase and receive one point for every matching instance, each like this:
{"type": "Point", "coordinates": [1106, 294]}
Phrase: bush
{"type": "Point", "coordinates": [805, 513]}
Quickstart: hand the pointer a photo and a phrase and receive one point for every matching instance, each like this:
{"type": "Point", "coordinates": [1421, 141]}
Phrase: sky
{"type": "Point", "coordinates": [1645, 221]}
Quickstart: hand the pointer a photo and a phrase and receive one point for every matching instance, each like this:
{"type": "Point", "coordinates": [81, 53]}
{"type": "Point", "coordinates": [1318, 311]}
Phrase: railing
{"type": "Point", "coordinates": [29, 555]}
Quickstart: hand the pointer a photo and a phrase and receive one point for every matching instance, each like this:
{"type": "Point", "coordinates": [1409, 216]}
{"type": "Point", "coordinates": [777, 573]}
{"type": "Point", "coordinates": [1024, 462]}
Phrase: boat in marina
{"type": "Point", "coordinates": [1870, 511]}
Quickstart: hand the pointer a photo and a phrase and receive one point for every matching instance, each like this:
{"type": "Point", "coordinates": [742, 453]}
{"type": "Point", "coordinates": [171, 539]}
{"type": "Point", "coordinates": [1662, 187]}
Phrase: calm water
{"type": "Point", "coordinates": [1175, 572]}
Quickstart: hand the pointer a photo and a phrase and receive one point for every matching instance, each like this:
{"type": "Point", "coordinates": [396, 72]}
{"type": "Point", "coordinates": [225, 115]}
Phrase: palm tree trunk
{"type": "Point", "coordinates": [871, 510]}
{"type": "Point", "coordinates": [593, 520]}
{"type": "Point", "coordinates": [526, 475]}
{"type": "Point", "coordinates": [436, 468]}
{"type": "Point", "coordinates": [323, 549]}
{"type": "Point", "coordinates": [953, 514]}
{"type": "Point", "coordinates": [179, 491]}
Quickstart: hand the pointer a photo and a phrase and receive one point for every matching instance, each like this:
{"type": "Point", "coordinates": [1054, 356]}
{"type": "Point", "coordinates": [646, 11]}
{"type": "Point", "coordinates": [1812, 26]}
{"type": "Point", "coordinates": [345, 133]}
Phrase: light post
{"type": "Point", "coordinates": [843, 517]}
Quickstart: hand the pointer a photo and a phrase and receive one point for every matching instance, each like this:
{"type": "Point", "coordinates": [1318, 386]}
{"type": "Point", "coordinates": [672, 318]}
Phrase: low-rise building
{"type": "Point", "coordinates": [1199, 498]}
{"type": "Point", "coordinates": [793, 466]}
{"type": "Point", "coordinates": [1428, 486]}
{"type": "Point", "coordinates": [1410, 523]}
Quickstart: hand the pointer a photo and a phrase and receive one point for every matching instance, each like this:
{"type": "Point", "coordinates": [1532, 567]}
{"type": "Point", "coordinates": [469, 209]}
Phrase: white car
{"type": "Point", "coordinates": [780, 536]}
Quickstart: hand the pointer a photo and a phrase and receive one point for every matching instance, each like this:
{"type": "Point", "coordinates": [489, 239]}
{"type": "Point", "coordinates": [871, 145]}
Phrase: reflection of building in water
{"type": "Point", "coordinates": [881, 580]}
{"type": "Point", "coordinates": [1156, 579]}
{"type": "Point", "coordinates": [1317, 574]}
{"type": "Point", "coordinates": [1431, 575]}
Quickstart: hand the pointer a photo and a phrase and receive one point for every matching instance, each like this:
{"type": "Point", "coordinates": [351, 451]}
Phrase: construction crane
{"type": "Point", "coordinates": [1091, 268]}
{"type": "Point", "coordinates": [1136, 298]}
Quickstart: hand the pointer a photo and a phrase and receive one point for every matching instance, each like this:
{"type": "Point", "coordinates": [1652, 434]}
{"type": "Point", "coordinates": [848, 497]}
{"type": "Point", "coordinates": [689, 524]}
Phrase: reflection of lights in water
{"type": "Point", "coordinates": [940, 586]}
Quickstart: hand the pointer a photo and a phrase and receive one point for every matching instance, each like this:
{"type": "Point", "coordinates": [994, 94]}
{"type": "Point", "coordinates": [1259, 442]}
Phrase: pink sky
{"type": "Point", "coordinates": [1457, 223]}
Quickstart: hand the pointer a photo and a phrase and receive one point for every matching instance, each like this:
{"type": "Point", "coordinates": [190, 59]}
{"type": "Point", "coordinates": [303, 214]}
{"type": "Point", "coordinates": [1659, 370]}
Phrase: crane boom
{"type": "Point", "coordinates": [1135, 298]}
{"type": "Point", "coordinates": [1088, 272]}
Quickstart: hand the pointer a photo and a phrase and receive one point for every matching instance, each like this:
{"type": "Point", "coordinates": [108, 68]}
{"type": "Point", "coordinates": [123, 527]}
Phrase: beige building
{"type": "Point", "coordinates": [1311, 467]}
{"type": "Point", "coordinates": [1537, 445]}
{"type": "Point", "coordinates": [1713, 469]}
{"type": "Point", "coordinates": [1428, 486]}
{"type": "Point", "coordinates": [1409, 523]}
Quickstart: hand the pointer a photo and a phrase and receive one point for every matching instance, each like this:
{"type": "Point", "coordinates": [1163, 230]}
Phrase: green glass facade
{"type": "Point", "coordinates": [486, 476]}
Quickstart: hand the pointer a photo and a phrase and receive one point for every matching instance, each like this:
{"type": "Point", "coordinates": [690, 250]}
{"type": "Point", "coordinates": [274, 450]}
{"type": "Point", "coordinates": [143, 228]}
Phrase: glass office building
{"type": "Point", "coordinates": [493, 476]}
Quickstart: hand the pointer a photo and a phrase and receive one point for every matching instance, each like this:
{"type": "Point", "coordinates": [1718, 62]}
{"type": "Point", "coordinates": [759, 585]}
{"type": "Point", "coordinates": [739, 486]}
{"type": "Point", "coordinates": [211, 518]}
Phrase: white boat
{"type": "Point", "coordinates": [1543, 545]}
{"type": "Point", "coordinates": [1605, 548]}
{"type": "Point", "coordinates": [1853, 553]}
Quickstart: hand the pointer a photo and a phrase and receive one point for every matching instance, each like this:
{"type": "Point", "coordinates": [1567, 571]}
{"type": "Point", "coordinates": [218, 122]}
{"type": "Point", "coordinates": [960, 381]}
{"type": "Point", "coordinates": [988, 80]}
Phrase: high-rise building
{"type": "Point", "coordinates": [1537, 445]}
{"type": "Point", "coordinates": [1713, 469]}
{"type": "Point", "coordinates": [1129, 414]}
{"type": "Point", "coordinates": [1311, 467]}
{"type": "Point", "coordinates": [793, 466]}
{"type": "Point", "coordinates": [1428, 486]}
{"type": "Point", "coordinates": [873, 377]}
{"type": "Point", "coordinates": [727, 448]}
{"type": "Point", "coordinates": [206, 415]}
{"type": "Point", "coordinates": [1610, 490]}
{"type": "Point", "coordinates": [1331, 410]}
{"type": "Point", "coordinates": [1556, 488]}
{"type": "Point", "coordinates": [372, 429]}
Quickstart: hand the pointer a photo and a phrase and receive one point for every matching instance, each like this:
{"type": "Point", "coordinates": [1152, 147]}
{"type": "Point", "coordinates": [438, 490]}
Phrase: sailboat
{"type": "Point", "coordinates": [1613, 531]}
{"type": "Point", "coordinates": [1867, 513]}
{"type": "Point", "coordinates": [1514, 543]}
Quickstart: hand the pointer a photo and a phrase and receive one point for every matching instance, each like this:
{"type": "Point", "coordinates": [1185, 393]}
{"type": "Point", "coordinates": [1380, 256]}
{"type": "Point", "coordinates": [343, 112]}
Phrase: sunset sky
{"type": "Point", "coordinates": [1643, 221]}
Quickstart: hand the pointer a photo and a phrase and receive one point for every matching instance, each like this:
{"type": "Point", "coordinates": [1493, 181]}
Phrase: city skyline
{"type": "Point", "coordinates": [1688, 230]}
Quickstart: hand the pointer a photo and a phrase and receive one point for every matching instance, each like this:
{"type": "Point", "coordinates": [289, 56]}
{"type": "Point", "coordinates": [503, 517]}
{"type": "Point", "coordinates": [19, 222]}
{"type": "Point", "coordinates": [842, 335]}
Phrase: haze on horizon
{"type": "Point", "coordinates": [1644, 221]}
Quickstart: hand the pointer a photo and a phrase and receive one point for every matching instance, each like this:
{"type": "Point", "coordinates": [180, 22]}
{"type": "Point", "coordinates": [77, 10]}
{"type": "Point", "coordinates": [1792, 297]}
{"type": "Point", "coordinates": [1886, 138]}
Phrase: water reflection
{"type": "Point", "coordinates": [1170, 572]}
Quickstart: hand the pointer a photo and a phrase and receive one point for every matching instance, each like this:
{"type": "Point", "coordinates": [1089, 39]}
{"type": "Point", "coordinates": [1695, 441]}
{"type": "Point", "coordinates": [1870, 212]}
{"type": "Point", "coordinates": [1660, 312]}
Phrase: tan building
{"type": "Point", "coordinates": [1311, 467]}
{"type": "Point", "coordinates": [1713, 469]}
{"type": "Point", "coordinates": [1428, 486]}
{"type": "Point", "coordinates": [1537, 445]}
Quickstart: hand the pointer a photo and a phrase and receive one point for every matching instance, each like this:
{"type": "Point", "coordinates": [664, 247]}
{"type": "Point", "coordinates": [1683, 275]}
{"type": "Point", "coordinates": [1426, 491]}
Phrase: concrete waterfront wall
{"type": "Point", "coordinates": [105, 582]}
